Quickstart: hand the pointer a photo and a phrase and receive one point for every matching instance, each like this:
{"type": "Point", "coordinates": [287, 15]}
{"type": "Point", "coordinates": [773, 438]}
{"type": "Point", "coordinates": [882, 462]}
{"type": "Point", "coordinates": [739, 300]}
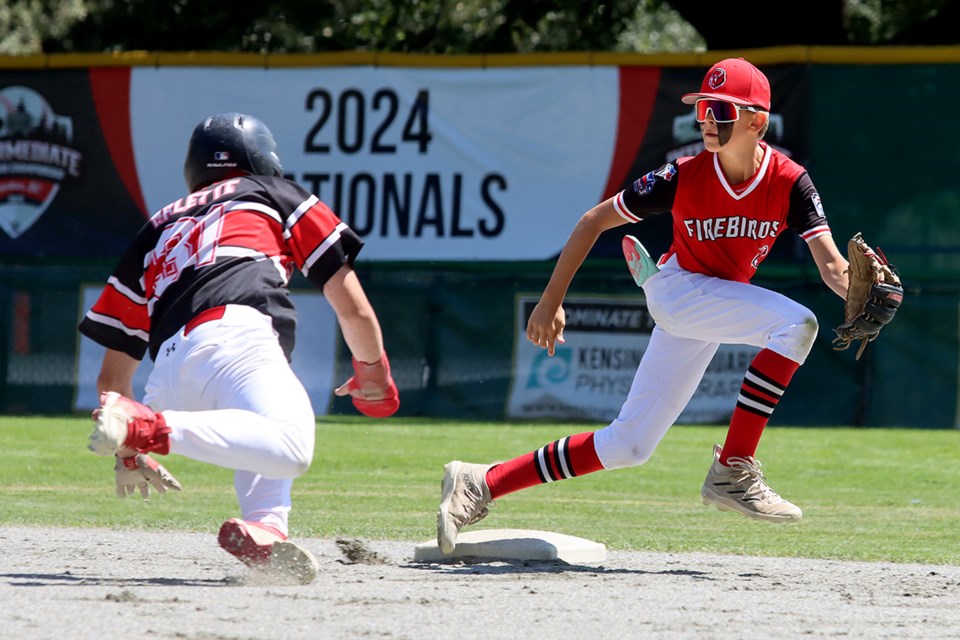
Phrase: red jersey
{"type": "Point", "coordinates": [726, 230]}
{"type": "Point", "coordinates": [234, 242]}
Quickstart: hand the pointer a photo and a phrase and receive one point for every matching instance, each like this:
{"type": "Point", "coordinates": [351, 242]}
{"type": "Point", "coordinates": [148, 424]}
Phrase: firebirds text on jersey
{"type": "Point", "coordinates": [726, 230]}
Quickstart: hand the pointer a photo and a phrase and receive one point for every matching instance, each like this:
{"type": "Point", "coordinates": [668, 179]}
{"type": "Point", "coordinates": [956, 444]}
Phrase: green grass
{"type": "Point", "coordinates": [883, 494]}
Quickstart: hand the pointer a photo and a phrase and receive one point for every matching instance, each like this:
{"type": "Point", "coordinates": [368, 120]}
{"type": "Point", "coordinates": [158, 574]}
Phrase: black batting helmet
{"type": "Point", "coordinates": [228, 145]}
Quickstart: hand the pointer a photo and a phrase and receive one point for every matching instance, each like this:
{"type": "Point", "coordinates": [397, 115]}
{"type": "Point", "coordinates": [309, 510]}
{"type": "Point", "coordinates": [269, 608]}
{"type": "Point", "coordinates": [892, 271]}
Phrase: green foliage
{"type": "Point", "coordinates": [417, 26]}
{"type": "Point", "coordinates": [24, 24]}
{"type": "Point", "coordinates": [878, 21]}
{"type": "Point", "coordinates": [885, 494]}
{"type": "Point", "coordinates": [657, 27]}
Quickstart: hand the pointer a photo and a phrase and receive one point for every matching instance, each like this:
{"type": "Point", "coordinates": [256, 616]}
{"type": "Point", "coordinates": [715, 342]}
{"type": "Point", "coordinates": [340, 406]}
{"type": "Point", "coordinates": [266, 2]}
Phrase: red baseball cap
{"type": "Point", "coordinates": [734, 80]}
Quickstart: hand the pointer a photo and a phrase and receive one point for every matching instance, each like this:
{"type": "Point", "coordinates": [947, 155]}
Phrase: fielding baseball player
{"type": "Point", "coordinates": [729, 204]}
{"type": "Point", "coordinates": [203, 288]}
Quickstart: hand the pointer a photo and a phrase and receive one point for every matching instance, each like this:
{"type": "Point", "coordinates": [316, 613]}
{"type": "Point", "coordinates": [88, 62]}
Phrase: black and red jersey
{"type": "Point", "coordinates": [233, 242]}
{"type": "Point", "coordinates": [726, 230]}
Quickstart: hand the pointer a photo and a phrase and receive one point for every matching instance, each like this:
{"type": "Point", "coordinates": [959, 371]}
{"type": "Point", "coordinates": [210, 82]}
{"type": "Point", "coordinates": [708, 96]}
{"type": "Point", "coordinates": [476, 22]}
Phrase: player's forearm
{"type": "Point", "coordinates": [830, 263]}
{"type": "Point", "coordinates": [833, 272]}
{"type": "Point", "coordinates": [575, 251]}
{"type": "Point", "coordinates": [835, 277]}
{"type": "Point", "coordinates": [357, 319]}
{"type": "Point", "coordinates": [362, 334]}
{"type": "Point", "coordinates": [116, 373]}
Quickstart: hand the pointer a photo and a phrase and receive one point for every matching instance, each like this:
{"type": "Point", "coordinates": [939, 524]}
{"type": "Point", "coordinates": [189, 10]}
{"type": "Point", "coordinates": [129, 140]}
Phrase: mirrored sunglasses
{"type": "Point", "coordinates": [722, 111]}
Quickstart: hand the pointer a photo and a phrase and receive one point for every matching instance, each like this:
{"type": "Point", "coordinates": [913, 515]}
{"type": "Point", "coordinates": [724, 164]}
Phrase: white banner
{"type": "Point", "coordinates": [444, 164]}
{"type": "Point", "coordinates": [589, 376]}
{"type": "Point", "coordinates": [313, 358]}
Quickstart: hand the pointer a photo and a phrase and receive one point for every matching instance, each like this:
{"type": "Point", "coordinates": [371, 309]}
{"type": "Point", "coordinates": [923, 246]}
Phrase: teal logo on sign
{"type": "Point", "coordinates": [548, 371]}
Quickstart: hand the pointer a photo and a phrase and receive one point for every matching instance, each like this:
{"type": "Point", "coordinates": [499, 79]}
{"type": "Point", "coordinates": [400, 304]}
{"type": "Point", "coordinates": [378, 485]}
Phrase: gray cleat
{"type": "Point", "coordinates": [741, 487]}
{"type": "Point", "coordinates": [464, 499]}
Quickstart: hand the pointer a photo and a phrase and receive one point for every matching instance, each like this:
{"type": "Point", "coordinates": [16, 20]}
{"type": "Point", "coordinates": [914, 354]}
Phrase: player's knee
{"type": "Point", "coordinates": [805, 331]}
{"type": "Point", "coordinates": [298, 445]}
{"type": "Point", "coordinates": [618, 447]}
{"type": "Point", "coordinates": [795, 339]}
{"type": "Point", "coordinates": [301, 459]}
{"type": "Point", "coordinates": [639, 455]}
{"type": "Point", "coordinates": [289, 465]}
{"type": "Point", "coordinates": [623, 457]}
{"type": "Point", "coordinates": [301, 467]}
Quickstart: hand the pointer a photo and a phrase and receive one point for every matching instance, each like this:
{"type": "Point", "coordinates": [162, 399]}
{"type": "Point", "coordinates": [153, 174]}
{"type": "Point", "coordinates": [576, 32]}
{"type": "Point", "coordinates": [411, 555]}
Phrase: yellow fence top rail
{"type": "Point", "coordinates": [773, 55]}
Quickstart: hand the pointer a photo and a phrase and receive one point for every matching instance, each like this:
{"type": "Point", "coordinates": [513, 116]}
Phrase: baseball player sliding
{"type": "Point", "coordinates": [203, 288]}
{"type": "Point", "coordinates": [729, 204]}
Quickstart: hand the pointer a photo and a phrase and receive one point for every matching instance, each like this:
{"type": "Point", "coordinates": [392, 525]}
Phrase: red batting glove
{"type": "Point", "coordinates": [372, 388]}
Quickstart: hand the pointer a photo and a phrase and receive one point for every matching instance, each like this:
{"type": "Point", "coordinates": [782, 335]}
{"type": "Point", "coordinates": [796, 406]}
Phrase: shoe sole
{"type": "Point", "coordinates": [111, 429]}
{"type": "Point", "coordinates": [290, 559]}
{"type": "Point", "coordinates": [727, 504]}
{"type": "Point", "coordinates": [447, 539]}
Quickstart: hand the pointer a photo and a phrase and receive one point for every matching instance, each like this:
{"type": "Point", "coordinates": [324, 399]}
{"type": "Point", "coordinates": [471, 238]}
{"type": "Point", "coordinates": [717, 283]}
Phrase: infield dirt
{"type": "Point", "coordinates": [94, 583]}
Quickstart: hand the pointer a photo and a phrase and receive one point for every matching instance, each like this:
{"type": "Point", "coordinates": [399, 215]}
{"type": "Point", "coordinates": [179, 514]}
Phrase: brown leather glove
{"type": "Point", "coordinates": [874, 293]}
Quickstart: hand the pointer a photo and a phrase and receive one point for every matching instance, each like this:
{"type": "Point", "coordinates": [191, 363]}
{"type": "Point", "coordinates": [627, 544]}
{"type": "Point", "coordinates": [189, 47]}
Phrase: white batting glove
{"type": "Point", "coordinates": [141, 471]}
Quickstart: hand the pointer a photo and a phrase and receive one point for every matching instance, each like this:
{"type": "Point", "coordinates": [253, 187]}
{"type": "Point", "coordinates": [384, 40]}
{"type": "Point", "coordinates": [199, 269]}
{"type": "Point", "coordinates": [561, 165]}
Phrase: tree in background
{"type": "Point", "coordinates": [25, 24]}
{"type": "Point", "coordinates": [465, 26]}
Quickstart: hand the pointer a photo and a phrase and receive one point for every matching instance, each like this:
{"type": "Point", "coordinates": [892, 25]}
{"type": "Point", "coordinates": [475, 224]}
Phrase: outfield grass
{"type": "Point", "coordinates": [867, 494]}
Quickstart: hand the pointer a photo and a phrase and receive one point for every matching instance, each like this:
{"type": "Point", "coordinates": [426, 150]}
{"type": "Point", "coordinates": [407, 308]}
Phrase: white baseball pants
{"type": "Point", "coordinates": [231, 399]}
{"type": "Point", "coordinates": [695, 314]}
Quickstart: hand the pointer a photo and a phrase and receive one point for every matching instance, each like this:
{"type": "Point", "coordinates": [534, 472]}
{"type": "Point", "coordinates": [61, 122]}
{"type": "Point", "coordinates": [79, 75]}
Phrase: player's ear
{"type": "Point", "coordinates": [760, 120]}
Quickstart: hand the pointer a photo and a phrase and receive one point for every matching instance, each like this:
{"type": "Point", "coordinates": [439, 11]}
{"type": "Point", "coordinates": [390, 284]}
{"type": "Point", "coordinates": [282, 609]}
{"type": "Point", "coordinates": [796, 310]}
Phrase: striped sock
{"type": "Point", "coordinates": [564, 458]}
{"type": "Point", "coordinates": [763, 386]}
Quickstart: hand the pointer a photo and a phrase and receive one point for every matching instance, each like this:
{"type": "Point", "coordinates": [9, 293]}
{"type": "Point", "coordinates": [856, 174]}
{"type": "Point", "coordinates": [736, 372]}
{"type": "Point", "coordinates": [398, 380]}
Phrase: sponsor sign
{"type": "Point", "coordinates": [589, 376]}
{"type": "Point", "coordinates": [36, 157]}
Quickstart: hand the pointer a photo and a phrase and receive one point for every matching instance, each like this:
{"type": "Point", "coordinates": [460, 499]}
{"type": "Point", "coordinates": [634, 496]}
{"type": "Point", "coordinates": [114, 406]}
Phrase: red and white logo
{"type": "Point", "coordinates": [717, 78]}
{"type": "Point", "coordinates": [35, 157]}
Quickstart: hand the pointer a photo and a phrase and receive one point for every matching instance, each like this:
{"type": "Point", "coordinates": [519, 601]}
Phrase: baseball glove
{"type": "Point", "coordinates": [874, 294]}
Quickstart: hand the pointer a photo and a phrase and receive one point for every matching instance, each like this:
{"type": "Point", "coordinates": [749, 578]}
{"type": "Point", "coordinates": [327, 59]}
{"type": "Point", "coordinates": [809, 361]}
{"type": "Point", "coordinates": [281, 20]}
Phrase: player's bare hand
{"type": "Point", "coordinates": [140, 471]}
{"type": "Point", "coordinates": [372, 388]}
{"type": "Point", "coordinates": [545, 326]}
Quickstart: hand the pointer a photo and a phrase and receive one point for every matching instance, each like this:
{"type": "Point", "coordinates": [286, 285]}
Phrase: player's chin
{"type": "Point", "coordinates": [711, 141]}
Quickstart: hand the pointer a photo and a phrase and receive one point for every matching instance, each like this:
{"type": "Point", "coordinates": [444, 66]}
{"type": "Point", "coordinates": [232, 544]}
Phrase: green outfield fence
{"type": "Point", "coordinates": [450, 331]}
{"type": "Point", "coordinates": [887, 167]}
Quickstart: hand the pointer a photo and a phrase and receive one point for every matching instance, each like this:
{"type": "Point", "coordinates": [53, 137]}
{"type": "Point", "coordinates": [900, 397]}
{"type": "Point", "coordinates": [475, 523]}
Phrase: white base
{"type": "Point", "coordinates": [516, 544]}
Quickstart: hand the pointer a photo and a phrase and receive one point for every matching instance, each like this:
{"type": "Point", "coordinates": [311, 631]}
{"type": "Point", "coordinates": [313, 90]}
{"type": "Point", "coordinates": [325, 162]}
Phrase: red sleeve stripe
{"type": "Point", "coordinates": [621, 208]}
{"type": "Point", "coordinates": [126, 291]}
{"type": "Point", "coordinates": [815, 232]}
{"type": "Point", "coordinates": [330, 240]}
{"type": "Point", "coordinates": [253, 230]}
{"type": "Point", "coordinates": [116, 324]}
{"type": "Point", "coordinates": [299, 213]}
{"type": "Point", "coordinates": [310, 223]}
{"type": "Point", "coordinates": [113, 303]}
